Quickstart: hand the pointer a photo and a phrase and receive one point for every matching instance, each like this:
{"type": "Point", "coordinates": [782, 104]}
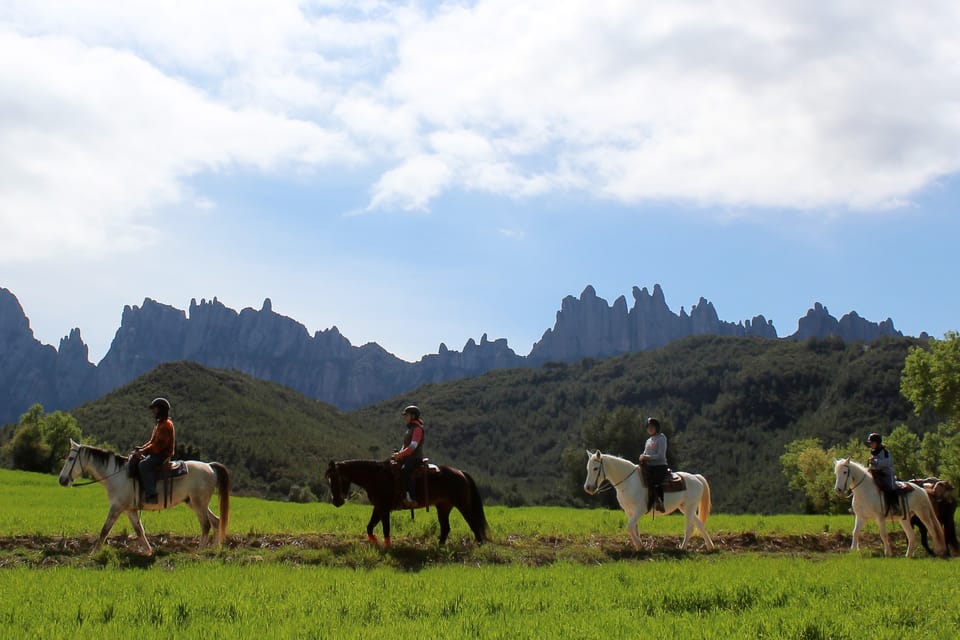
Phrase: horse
{"type": "Point", "coordinates": [445, 488]}
{"type": "Point", "coordinates": [624, 476]}
{"type": "Point", "coordinates": [854, 478]}
{"type": "Point", "coordinates": [944, 502]}
{"type": "Point", "coordinates": [195, 488]}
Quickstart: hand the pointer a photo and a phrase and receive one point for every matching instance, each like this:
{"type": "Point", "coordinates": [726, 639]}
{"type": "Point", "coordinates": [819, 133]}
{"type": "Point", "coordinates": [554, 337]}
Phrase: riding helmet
{"type": "Point", "coordinates": [414, 410]}
{"type": "Point", "coordinates": [163, 407]}
{"type": "Point", "coordinates": [875, 437]}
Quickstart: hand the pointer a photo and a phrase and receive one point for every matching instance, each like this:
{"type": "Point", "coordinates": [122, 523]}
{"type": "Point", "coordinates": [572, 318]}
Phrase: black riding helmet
{"type": "Point", "coordinates": [413, 410]}
{"type": "Point", "coordinates": [874, 437]}
{"type": "Point", "coordinates": [653, 422]}
{"type": "Point", "coordinates": [162, 405]}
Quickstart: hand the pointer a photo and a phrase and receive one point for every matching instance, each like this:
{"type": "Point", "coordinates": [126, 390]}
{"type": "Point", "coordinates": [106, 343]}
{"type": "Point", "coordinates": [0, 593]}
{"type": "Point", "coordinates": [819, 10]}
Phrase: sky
{"type": "Point", "coordinates": [427, 172]}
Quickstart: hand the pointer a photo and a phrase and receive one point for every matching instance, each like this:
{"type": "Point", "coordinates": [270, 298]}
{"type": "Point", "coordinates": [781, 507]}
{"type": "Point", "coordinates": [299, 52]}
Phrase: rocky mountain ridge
{"type": "Point", "coordinates": [326, 366]}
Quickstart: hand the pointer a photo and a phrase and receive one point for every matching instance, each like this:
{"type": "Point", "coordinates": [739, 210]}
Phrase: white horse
{"type": "Point", "coordinates": [853, 477]}
{"type": "Point", "coordinates": [625, 477]}
{"type": "Point", "coordinates": [195, 488]}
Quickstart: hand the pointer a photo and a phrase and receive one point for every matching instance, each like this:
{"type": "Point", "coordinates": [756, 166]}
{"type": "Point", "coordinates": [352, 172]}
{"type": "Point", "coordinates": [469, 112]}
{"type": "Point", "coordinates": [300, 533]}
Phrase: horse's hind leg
{"type": "Point", "coordinates": [443, 517]}
{"type": "Point", "coordinates": [698, 523]}
{"type": "Point", "coordinates": [911, 539]}
{"type": "Point", "coordinates": [687, 530]}
{"type": "Point", "coordinates": [204, 518]}
{"type": "Point", "coordinates": [134, 518]}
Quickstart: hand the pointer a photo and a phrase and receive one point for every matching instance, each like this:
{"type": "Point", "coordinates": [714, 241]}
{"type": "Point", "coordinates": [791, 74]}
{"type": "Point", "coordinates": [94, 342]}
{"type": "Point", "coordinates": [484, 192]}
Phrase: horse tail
{"type": "Point", "coordinates": [223, 488]}
{"type": "Point", "coordinates": [705, 502]}
{"type": "Point", "coordinates": [476, 518]}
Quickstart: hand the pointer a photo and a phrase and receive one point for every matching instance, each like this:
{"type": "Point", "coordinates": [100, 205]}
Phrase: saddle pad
{"type": "Point", "coordinates": [175, 469]}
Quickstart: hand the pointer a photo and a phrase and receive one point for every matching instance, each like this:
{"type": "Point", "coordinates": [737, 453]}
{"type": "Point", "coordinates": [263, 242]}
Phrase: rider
{"type": "Point", "coordinates": [157, 450]}
{"type": "Point", "coordinates": [654, 457]}
{"type": "Point", "coordinates": [881, 465]}
{"type": "Point", "coordinates": [411, 454]}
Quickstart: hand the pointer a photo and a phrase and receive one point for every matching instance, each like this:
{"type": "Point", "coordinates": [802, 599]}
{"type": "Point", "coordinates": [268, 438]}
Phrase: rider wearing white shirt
{"type": "Point", "coordinates": [654, 457]}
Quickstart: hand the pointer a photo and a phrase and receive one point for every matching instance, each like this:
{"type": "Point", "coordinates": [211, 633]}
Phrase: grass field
{"type": "Point", "coordinates": [304, 571]}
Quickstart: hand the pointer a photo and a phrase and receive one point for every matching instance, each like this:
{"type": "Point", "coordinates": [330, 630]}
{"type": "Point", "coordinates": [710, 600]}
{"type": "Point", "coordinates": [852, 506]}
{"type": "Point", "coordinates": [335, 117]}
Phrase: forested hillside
{"type": "Point", "coordinates": [728, 405]}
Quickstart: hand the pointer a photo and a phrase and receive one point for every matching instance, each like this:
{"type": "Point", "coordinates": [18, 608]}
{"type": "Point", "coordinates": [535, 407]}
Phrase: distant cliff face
{"type": "Point", "coordinates": [588, 327]}
{"type": "Point", "coordinates": [327, 367]}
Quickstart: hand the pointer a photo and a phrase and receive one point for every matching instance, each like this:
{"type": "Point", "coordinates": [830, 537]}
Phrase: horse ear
{"type": "Point", "coordinates": [74, 444]}
{"type": "Point", "coordinates": [589, 453]}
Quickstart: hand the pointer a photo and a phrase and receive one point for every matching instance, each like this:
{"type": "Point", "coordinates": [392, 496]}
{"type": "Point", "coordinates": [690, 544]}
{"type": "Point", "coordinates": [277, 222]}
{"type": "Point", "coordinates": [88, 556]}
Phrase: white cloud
{"type": "Point", "coordinates": [110, 108]}
{"type": "Point", "coordinates": [94, 140]}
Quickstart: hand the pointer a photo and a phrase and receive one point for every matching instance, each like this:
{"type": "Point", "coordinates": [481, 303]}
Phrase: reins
{"type": "Point", "coordinates": [83, 471]}
{"type": "Point", "coordinates": [611, 485]}
{"type": "Point", "coordinates": [846, 482]}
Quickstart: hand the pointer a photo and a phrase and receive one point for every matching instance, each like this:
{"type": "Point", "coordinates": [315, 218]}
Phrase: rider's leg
{"type": "Point", "coordinates": [148, 477]}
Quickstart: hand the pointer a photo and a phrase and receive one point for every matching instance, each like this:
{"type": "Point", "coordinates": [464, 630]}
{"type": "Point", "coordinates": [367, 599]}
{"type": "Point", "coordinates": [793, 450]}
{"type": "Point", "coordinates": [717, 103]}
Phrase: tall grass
{"type": "Point", "coordinates": [35, 504]}
{"type": "Point", "coordinates": [703, 597]}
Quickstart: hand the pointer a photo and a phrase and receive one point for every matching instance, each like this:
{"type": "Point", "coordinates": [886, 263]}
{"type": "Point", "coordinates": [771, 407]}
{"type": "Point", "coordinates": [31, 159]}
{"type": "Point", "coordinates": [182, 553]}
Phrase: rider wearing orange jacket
{"type": "Point", "coordinates": [157, 450]}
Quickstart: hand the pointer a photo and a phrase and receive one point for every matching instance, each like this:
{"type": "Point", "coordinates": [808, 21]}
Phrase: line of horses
{"type": "Point", "coordinates": [446, 488]}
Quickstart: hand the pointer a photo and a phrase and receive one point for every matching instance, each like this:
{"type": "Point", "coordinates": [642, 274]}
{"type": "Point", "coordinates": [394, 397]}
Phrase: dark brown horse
{"type": "Point", "coordinates": [441, 486]}
{"type": "Point", "coordinates": [944, 501]}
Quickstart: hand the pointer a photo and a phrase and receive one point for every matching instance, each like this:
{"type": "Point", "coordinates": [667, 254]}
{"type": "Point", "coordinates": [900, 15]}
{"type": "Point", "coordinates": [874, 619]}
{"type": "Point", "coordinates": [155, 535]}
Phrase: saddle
{"type": "Point", "coordinates": [896, 500]}
{"type": "Point", "coordinates": [165, 473]}
{"type": "Point", "coordinates": [673, 482]}
{"type": "Point", "coordinates": [419, 474]}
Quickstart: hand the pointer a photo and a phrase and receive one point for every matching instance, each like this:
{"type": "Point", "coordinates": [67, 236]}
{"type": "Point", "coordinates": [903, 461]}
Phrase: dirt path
{"type": "Point", "coordinates": [351, 550]}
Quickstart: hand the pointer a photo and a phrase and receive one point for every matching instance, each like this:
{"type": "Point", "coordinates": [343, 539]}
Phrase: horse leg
{"type": "Point", "coordinates": [374, 521]}
{"type": "Point", "coordinates": [134, 518]}
{"type": "Point", "coordinates": [633, 530]}
{"type": "Point", "coordinates": [911, 539]}
{"type": "Point", "coordinates": [112, 516]}
{"type": "Point", "coordinates": [443, 517]}
{"type": "Point", "coordinates": [385, 523]}
{"type": "Point", "coordinates": [882, 526]}
{"type": "Point", "coordinates": [688, 528]}
{"type": "Point", "coordinates": [698, 523]}
{"type": "Point", "coordinates": [857, 526]}
{"type": "Point", "coordinates": [201, 512]}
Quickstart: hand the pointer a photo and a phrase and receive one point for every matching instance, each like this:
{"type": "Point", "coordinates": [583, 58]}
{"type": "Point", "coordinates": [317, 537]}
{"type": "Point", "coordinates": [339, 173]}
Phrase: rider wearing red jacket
{"type": "Point", "coordinates": [411, 454]}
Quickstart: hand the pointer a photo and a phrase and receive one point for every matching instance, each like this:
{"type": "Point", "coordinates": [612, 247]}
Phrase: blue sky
{"type": "Point", "coordinates": [418, 173]}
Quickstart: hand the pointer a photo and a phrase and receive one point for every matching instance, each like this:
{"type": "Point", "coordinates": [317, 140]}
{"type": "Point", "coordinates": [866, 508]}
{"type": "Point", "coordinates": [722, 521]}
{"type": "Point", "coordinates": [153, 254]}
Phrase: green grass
{"type": "Point", "coordinates": [704, 597]}
{"type": "Point", "coordinates": [35, 504]}
{"type": "Point", "coordinates": [549, 573]}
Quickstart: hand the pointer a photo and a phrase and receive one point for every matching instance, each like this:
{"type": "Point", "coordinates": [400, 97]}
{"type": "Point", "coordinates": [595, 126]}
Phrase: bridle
{"type": "Point", "coordinates": [846, 481]}
{"type": "Point", "coordinates": [610, 485]}
{"type": "Point", "coordinates": [334, 474]}
{"type": "Point", "coordinates": [83, 471]}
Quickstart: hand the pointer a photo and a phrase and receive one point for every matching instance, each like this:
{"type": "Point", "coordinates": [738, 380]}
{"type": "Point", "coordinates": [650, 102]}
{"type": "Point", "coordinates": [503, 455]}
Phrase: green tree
{"type": "Point", "coordinates": [41, 442]}
{"type": "Point", "coordinates": [904, 447]}
{"type": "Point", "coordinates": [58, 428]}
{"type": "Point", "coordinates": [28, 451]}
{"type": "Point", "coordinates": [931, 376]}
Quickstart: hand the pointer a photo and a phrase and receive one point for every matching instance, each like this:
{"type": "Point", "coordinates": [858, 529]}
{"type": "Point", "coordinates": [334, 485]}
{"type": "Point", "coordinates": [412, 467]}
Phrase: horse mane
{"type": "Point", "coordinates": [851, 462]}
{"type": "Point", "coordinates": [616, 457]}
{"type": "Point", "coordinates": [362, 462]}
{"type": "Point", "coordinates": [104, 457]}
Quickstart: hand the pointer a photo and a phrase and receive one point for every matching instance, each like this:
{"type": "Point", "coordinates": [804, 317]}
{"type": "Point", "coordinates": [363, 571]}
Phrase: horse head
{"type": "Point", "coordinates": [594, 472]}
{"type": "Point", "coordinates": [841, 468]}
{"type": "Point", "coordinates": [71, 468]}
{"type": "Point", "coordinates": [339, 486]}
